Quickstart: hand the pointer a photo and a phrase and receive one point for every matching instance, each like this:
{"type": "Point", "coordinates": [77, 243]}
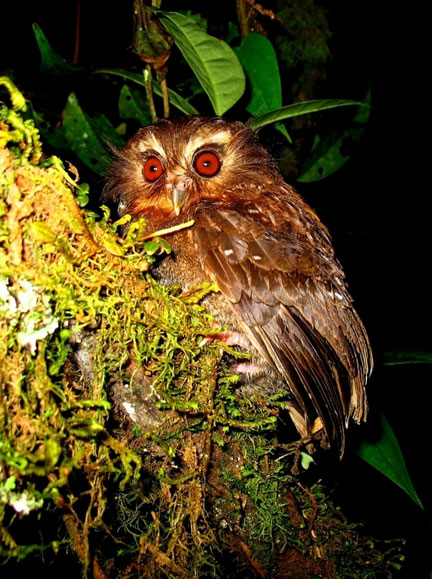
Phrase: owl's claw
{"type": "Point", "coordinates": [240, 340]}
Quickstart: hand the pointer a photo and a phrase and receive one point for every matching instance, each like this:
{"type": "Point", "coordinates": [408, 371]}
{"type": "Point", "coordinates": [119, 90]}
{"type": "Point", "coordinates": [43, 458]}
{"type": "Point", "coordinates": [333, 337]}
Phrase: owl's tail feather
{"type": "Point", "coordinates": [319, 381]}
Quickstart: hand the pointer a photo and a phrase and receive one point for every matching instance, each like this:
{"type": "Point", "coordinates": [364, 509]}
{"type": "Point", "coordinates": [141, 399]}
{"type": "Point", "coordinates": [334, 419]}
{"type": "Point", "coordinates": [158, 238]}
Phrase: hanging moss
{"type": "Point", "coordinates": [123, 441]}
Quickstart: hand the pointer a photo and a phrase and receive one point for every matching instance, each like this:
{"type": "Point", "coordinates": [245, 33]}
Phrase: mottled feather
{"type": "Point", "coordinates": [270, 256]}
{"type": "Point", "coordinates": [294, 308]}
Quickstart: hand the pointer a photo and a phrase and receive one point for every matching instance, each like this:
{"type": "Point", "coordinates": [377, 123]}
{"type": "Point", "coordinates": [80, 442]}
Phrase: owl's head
{"type": "Point", "coordinates": [168, 169]}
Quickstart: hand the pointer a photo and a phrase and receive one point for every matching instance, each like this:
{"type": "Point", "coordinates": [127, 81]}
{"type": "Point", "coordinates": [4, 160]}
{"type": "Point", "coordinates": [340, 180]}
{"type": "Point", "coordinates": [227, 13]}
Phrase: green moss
{"type": "Point", "coordinates": [119, 430]}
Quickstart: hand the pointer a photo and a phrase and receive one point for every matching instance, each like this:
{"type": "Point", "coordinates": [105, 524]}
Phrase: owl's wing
{"type": "Point", "coordinates": [293, 305]}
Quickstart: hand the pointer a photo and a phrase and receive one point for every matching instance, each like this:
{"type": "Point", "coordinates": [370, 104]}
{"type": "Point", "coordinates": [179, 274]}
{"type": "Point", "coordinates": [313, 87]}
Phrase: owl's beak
{"type": "Point", "coordinates": [179, 194]}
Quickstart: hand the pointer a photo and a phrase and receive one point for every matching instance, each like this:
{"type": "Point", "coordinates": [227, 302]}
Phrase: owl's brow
{"type": "Point", "coordinates": [151, 153]}
{"type": "Point", "coordinates": [211, 141]}
{"type": "Point", "coordinates": [151, 145]}
{"type": "Point", "coordinates": [211, 145]}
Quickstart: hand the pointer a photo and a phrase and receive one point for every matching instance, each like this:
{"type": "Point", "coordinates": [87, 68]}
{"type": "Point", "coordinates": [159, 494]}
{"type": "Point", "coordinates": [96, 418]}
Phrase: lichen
{"type": "Point", "coordinates": [122, 433]}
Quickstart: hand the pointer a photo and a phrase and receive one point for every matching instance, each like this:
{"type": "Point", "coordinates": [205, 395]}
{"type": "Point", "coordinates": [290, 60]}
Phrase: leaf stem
{"type": "Point", "coordinates": [149, 92]}
{"type": "Point", "coordinates": [165, 97]}
{"type": "Point", "coordinates": [243, 18]}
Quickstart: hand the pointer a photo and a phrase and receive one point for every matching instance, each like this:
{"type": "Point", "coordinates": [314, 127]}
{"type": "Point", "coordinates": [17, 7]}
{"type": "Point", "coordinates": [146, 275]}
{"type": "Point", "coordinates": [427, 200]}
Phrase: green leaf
{"type": "Point", "coordinates": [54, 136]}
{"type": "Point", "coordinates": [306, 460]}
{"type": "Point", "coordinates": [332, 151]}
{"type": "Point", "coordinates": [328, 154]}
{"type": "Point", "coordinates": [174, 98]}
{"type": "Point", "coordinates": [258, 57]}
{"type": "Point", "coordinates": [213, 62]}
{"type": "Point", "coordinates": [298, 109]}
{"type": "Point", "coordinates": [82, 194]}
{"type": "Point", "coordinates": [83, 138]}
{"type": "Point", "coordinates": [400, 358]}
{"type": "Point", "coordinates": [134, 105]}
{"type": "Point", "coordinates": [232, 32]}
{"type": "Point", "coordinates": [103, 127]}
{"type": "Point", "coordinates": [386, 456]}
{"type": "Point", "coordinates": [50, 60]}
{"type": "Point", "coordinates": [112, 247]}
{"type": "Point", "coordinates": [151, 247]}
{"type": "Point", "coordinates": [42, 232]}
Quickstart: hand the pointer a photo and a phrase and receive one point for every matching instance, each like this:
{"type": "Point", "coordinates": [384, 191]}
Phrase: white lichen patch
{"type": "Point", "coordinates": [23, 503]}
{"type": "Point", "coordinates": [32, 335]}
{"type": "Point", "coordinates": [130, 409]}
{"type": "Point", "coordinates": [8, 304]}
{"type": "Point", "coordinates": [27, 308]}
{"type": "Point", "coordinates": [27, 296]}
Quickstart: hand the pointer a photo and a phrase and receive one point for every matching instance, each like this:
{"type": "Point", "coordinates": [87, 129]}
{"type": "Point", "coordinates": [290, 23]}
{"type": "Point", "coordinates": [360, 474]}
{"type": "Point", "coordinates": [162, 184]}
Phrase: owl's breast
{"type": "Point", "coordinates": [182, 266]}
{"type": "Point", "coordinates": [184, 269]}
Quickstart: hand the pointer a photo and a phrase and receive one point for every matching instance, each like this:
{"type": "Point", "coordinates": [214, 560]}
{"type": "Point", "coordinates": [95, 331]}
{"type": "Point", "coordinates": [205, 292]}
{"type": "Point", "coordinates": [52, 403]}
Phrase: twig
{"type": "Point", "coordinates": [165, 96]}
{"type": "Point", "coordinates": [169, 230]}
{"type": "Point", "coordinates": [313, 516]}
{"type": "Point", "coordinates": [263, 11]}
{"type": "Point", "coordinates": [246, 10]}
{"type": "Point", "coordinates": [149, 92]}
{"type": "Point", "coordinates": [243, 18]}
{"type": "Point", "coordinates": [248, 554]}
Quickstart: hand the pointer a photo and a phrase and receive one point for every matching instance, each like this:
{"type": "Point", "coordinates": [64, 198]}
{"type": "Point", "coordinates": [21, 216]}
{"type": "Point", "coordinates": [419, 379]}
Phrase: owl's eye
{"type": "Point", "coordinates": [153, 169]}
{"type": "Point", "coordinates": [207, 164]}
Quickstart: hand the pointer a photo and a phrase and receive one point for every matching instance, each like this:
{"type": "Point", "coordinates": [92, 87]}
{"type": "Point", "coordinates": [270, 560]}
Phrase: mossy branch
{"type": "Point", "coordinates": [121, 418]}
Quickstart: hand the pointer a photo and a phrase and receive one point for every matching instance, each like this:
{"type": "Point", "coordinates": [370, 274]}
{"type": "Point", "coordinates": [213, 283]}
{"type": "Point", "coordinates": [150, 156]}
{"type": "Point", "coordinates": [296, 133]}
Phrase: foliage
{"type": "Point", "coordinates": [387, 457]}
{"type": "Point", "coordinates": [212, 61]}
{"type": "Point", "coordinates": [220, 75]}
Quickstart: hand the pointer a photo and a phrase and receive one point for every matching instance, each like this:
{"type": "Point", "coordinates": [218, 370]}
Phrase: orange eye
{"type": "Point", "coordinates": [207, 164]}
{"type": "Point", "coordinates": [153, 169]}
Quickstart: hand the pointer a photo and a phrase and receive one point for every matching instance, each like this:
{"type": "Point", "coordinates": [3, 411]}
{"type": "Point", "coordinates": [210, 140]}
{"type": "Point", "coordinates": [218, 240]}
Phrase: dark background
{"type": "Point", "coordinates": [376, 207]}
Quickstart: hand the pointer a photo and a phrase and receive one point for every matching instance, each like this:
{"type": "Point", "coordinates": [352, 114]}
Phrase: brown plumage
{"type": "Point", "coordinates": [266, 250]}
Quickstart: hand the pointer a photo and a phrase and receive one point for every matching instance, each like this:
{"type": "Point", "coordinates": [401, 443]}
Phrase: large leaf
{"type": "Point", "coordinates": [213, 62]}
{"type": "Point", "coordinates": [84, 136]}
{"type": "Point", "coordinates": [51, 62]}
{"type": "Point", "coordinates": [331, 151]}
{"type": "Point", "coordinates": [134, 105]}
{"type": "Point", "coordinates": [298, 109]}
{"type": "Point", "coordinates": [401, 358]}
{"type": "Point", "coordinates": [54, 136]}
{"type": "Point", "coordinates": [107, 133]}
{"type": "Point", "coordinates": [329, 154]}
{"type": "Point", "coordinates": [174, 98]}
{"type": "Point", "coordinates": [386, 456]}
{"type": "Point", "coordinates": [258, 57]}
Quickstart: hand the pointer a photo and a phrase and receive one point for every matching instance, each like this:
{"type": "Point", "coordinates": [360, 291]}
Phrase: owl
{"type": "Point", "coordinates": [282, 293]}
